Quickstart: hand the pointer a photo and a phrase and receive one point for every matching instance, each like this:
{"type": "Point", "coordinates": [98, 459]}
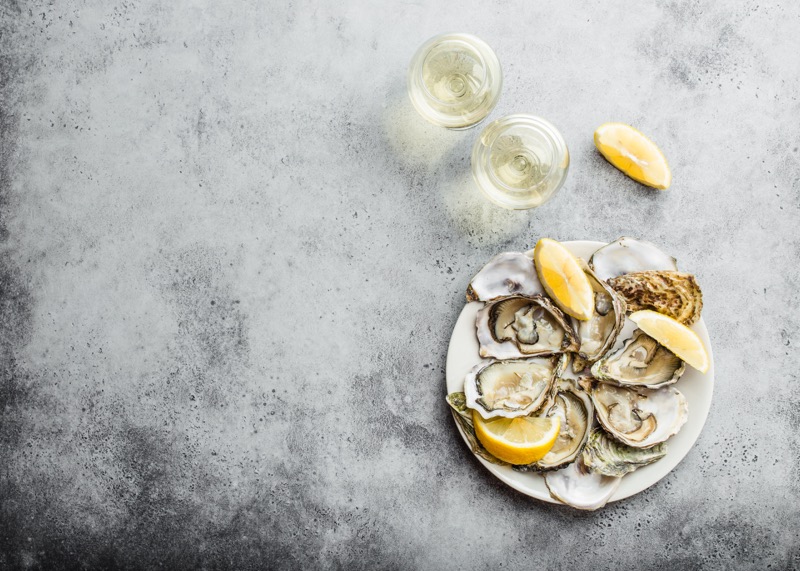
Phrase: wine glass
{"type": "Point", "coordinates": [454, 80]}
{"type": "Point", "coordinates": [520, 161]}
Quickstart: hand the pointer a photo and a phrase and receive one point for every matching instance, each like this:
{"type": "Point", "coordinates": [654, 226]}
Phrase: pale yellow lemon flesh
{"type": "Point", "coordinates": [675, 336]}
{"type": "Point", "coordinates": [563, 279]}
{"type": "Point", "coordinates": [634, 154]}
{"type": "Point", "coordinates": [521, 440]}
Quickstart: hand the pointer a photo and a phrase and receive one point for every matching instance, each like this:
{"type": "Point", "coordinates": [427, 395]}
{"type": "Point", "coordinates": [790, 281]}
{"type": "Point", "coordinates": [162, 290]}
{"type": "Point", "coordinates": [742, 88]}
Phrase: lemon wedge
{"type": "Point", "coordinates": [563, 279]}
{"type": "Point", "coordinates": [673, 335]}
{"type": "Point", "coordinates": [521, 440]}
{"type": "Point", "coordinates": [633, 153]}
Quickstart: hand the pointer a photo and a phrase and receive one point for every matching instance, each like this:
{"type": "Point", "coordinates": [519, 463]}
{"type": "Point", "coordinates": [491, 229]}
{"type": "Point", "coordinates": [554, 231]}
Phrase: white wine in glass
{"type": "Point", "coordinates": [520, 161]}
{"type": "Point", "coordinates": [454, 80]}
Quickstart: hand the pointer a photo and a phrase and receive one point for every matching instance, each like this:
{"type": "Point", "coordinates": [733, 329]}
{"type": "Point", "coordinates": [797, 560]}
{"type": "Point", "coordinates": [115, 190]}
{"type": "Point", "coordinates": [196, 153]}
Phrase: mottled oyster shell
{"type": "Point", "coordinates": [509, 273]}
{"type": "Point", "coordinates": [640, 362]}
{"type": "Point", "coordinates": [607, 456]}
{"type": "Point", "coordinates": [511, 388]}
{"type": "Point", "coordinates": [523, 326]}
{"type": "Point", "coordinates": [576, 412]}
{"type": "Point", "coordinates": [637, 416]}
{"type": "Point", "coordinates": [463, 417]}
{"type": "Point", "coordinates": [672, 293]}
{"type": "Point", "coordinates": [626, 255]}
{"type": "Point", "coordinates": [598, 334]}
{"type": "Point", "coordinates": [581, 488]}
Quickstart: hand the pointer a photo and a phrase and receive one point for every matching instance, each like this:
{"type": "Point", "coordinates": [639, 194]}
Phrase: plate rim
{"type": "Point", "coordinates": [500, 472]}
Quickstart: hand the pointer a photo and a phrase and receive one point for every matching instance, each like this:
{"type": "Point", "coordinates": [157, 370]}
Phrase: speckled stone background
{"type": "Point", "coordinates": [232, 256]}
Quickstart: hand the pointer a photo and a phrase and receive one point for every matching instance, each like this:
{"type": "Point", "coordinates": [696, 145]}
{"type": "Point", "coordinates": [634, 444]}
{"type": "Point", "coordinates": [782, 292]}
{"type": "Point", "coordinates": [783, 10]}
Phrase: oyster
{"type": "Point", "coordinates": [626, 255]}
{"type": "Point", "coordinates": [523, 326]}
{"type": "Point", "coordinates": [563, 364]}
{"type": "Point", "coordinates": [580, 488]}
{"type": "Point", "coordinates": [506, 274]}
{"type": "Point", "coordinates": [598, 334]}
{"type": "Point", "coordinates": [672, 293]}
{"type": "Point", "coordinates": [609, 457]}
{"type": "Point", "coordinates": [637, 416]}
{"type": "Point", "coordinates": [641, 362]}
{"type": "Point", "coordinates": [511, 388]}
{"type": "Point", "coordinates": [575, 408]}
{"type": "Point", "coordinates": [463, 416]}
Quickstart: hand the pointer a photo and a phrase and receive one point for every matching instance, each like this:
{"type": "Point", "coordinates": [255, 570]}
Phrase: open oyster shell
{"type": "Point", "coordinates": [640, 362]}
{"type": "Point", "coordinates": [463, 416]}
{"type": "Point", "coordinates": [598, 334]}
{"type": "Point", "coordinates": [626, 255]}
{"type": "Point", "coordinates": [672, 293]}
{"type": "Point", "coordinates": [511, 388]}
{"type": "Point", "coordinates": [609, 457]}
{"type": "Point", "coordinates": [581, 488]}
{"type": "Point", "coordinates": [576, 411]}
{"type": "Point", "coordinates": [637, 416]}
{"type": "Point", "coordinates": [520, 326]}
{"type": "Point", "coordinates": [509, 273]}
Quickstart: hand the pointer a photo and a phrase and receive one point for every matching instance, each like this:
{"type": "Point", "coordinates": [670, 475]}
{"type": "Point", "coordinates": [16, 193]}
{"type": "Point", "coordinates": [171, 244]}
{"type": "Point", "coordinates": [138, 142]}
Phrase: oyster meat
{"type": "Point", "coordinates": [581, 488]}
{"type": "Point", "coordinates": [598, 334]}
{"type": "Point", "coordinates": [523, 326]}
{"type": "Point", "coordinates": [642, 362]}
{"type": "Point", "coordinates": [506, 274]}
{"type": "Point", "coordinates": [609, 457]}
{"type": "Point", "coordinates": [511, 388]}
{"type": "Point", "coordinates": [637, 416]}
{"type": "Point", "coordinates": [576, 411]}
{"type": "Point", "coordinates": [672, 293]}
{"type": "Point", "coordinates": [627, 255]}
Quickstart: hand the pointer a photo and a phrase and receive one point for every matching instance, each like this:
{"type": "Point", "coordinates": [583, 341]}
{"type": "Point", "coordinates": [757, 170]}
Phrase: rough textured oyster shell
{"type": "Point", "coordinates": [598, 334]}
{"type": "Point", "coordinates": [637, 416]}
{"type": "Point", "coordinates": [523, 326]}
{"type": "Point", "coordinates": [672, 293]}
{"type": "Point", "coordinates": [626, 255]}
{"type": "Point", "coordinates": [581, 488]}
{"type": "Point", "coordinates": [511, 388]}
{"type": "Point", "coordinates": [641, 362]}
{"type": "Point", "coordinates": [609, 457]}
{"type": "Point", "coordinates": [573, 405]}
{"type": "Point", "coordinates": [463, 416]}
{"type": "Point", "coordinates": [509, 273]}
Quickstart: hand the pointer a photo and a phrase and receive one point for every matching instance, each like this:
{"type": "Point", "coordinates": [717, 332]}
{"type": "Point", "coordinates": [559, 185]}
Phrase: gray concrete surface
{"type": "Point", "coordinates": [232, 256]}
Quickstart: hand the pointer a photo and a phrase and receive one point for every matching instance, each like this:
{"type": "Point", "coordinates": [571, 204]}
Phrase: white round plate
{"type": "Point", "coordinates": [697, 387]}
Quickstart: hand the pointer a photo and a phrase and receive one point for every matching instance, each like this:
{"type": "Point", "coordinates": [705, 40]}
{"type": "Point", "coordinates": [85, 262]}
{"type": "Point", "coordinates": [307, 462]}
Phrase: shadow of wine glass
{"type": "Point", "coordinates": [413, 140]}
{"type": "Point", "coordinates": [479, 221]}
{"type": "Point", "coordinates": [444, 156]}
